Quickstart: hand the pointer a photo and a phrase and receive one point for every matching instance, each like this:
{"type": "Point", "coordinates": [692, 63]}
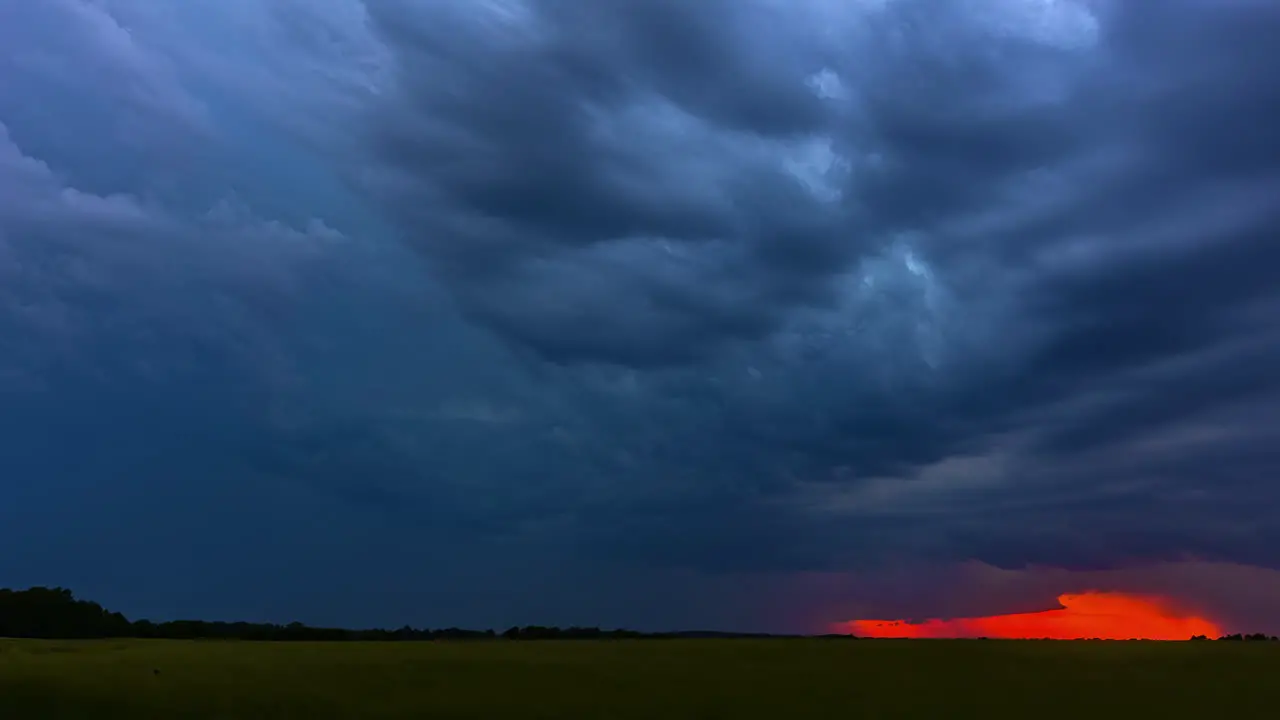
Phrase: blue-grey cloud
{"type": "Point", "coordinates": [653, 287]}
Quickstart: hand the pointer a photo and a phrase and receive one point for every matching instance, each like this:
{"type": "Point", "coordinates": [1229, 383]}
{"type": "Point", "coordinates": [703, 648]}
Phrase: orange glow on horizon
{"type": "Point", "coordinates": [1107, 616]}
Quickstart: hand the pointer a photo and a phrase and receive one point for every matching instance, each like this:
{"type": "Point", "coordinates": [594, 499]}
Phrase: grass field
{"type": "Point", "coordinates": [637, 679]}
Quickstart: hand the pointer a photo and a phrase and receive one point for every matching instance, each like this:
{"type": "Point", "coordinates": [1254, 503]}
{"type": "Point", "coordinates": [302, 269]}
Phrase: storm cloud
{"type": "Point", "coordinates": [698, 292]}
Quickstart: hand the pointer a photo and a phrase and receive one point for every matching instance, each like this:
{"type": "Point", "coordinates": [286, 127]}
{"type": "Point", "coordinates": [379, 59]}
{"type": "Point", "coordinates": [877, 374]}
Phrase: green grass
{"type": "Point", "coordinates": [786, 679]}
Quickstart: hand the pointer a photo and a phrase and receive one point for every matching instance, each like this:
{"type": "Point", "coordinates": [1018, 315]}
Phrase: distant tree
{"type": "Point", "coordinates": [41, 612]}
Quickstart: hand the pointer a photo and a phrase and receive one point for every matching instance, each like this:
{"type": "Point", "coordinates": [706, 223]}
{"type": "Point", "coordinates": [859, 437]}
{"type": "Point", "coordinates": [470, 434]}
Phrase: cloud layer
{"type": "Point", "coordinates": [672, 289]}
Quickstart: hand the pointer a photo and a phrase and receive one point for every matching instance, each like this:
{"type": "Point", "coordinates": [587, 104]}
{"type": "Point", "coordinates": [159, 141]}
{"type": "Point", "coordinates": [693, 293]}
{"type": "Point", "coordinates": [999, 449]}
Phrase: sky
{"type": "Point", "coordinates": [729, 314]}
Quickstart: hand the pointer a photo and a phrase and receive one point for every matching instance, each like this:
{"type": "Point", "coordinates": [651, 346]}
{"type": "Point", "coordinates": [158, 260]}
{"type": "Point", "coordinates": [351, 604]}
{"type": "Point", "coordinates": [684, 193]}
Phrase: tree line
{"type": "Point", "coordinates": [55, 613]}
{"type": "Point", "coordinates": [1238, 637]}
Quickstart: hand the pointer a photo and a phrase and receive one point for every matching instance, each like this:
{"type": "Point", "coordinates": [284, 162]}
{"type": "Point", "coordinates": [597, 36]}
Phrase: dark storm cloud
{"type": "Point", "coordinates": [610, 194]}
{"type": "Point", "coordinates": [867, 239]}
{"type": "Point", "coordinates": [711, 295]}
{"type": "Point", "coordinates": [707, 167]}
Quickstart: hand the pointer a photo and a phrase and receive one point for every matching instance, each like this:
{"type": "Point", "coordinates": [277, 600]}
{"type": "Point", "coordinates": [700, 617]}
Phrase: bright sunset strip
{"type": "Point", "coordinates": [1107, 616]}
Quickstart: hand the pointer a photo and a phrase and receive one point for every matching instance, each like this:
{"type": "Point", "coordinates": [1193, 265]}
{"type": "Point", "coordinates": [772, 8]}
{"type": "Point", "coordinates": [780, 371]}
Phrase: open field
{"type": "Point", "coordinates": [636, 679]}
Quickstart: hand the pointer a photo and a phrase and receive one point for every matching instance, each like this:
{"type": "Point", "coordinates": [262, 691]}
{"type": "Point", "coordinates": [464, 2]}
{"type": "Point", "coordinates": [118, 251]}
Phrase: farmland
{"type": "Point", "coordinates": [799, 678]}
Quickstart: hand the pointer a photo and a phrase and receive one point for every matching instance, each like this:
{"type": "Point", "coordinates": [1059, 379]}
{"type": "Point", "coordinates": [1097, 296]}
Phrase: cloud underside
{"type": "Point", "coordinates": [723, 286]}
{"type": "Point", "coordinates": [991, 272]}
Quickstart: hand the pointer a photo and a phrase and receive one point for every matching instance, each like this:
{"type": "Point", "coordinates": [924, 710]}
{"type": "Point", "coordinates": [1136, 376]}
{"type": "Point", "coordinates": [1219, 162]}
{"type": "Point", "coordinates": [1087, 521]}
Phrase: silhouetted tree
{"type": "Point", "coordinates": [56, 613]}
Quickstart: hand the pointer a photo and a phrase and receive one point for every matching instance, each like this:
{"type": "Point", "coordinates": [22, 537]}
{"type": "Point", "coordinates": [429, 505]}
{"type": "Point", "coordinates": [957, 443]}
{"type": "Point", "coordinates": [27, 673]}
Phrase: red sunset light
{"type": "Point", "coordinates": [1107, 616]}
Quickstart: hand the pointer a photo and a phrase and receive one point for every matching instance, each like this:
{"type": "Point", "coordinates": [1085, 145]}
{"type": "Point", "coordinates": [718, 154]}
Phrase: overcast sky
{"type": "Point", "coordinates": [742, 314]}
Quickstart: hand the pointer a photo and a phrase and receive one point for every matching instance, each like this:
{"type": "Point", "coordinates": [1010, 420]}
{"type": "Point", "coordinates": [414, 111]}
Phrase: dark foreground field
{"type": "Point", "coordinates": [636, 679]}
